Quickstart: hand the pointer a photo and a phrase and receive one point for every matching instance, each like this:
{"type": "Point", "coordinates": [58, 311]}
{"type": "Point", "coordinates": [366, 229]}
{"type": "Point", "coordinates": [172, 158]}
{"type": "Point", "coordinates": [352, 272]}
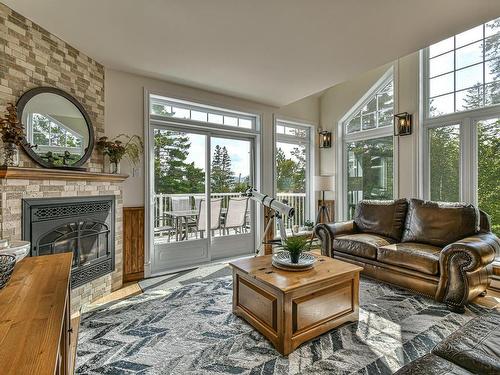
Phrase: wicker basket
{"type": "Point", "coordinates": [7, 263]}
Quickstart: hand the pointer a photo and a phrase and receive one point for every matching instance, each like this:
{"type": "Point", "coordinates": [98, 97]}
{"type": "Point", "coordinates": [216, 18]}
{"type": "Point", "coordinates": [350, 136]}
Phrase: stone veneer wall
{"type": "Point", "coordinates": [30, 56]}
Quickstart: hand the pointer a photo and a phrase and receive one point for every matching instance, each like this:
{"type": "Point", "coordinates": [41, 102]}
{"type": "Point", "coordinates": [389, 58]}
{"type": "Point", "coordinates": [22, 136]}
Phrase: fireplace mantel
{"type": "Point", "coordinates": [57, 174]}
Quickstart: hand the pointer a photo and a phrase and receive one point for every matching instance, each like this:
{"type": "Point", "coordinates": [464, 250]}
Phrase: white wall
{"type": "Point", "coordinates": [124, 113]}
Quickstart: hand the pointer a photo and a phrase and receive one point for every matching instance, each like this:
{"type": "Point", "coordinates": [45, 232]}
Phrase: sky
{"type": "Point", "coordinates": [239, 152]}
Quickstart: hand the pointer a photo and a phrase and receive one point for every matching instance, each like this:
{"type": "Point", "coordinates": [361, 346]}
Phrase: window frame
{"type": "Point", "coordinates": [343, 139]}
{"type": "Point", "coordinates": [467, 121]}
{"type": "Point", "coordinates": [198, 107]}
{"type": "Point", "coordinates": [309, 143]}
{"type": "Point", "coordinates": [425, 78]}
{"type": "Point", "coordinates": [31, 134]}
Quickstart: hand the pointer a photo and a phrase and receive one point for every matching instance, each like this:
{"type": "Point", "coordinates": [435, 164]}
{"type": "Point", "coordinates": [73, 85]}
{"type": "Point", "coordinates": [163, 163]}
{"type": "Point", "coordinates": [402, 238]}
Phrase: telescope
{"type": "Point", "coordinates": [280, 209]}
{"type": "Point", "coordinates": [266, 200]}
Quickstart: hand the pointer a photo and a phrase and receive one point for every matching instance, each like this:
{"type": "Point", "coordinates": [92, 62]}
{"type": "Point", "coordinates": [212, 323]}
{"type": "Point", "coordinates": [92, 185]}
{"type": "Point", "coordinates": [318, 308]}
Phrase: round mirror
{"type": "Point", "coordinates": [58, 129]}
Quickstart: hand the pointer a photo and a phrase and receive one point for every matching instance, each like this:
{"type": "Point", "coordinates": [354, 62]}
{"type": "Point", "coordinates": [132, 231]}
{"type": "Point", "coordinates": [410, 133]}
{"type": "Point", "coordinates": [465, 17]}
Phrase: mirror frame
{"type": "Point", "coordinates": [25, 98]}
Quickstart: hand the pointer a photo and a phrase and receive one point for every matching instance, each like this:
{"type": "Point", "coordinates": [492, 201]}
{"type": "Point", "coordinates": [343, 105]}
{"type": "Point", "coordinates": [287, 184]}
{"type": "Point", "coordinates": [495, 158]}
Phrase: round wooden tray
{"type": "Point", "coordinates": [293, 269]}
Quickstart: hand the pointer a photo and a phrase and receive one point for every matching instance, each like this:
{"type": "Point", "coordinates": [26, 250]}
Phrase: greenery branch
{"type": "Point", "coordinates": [122, 146]}
{"type": "Point", "coordinates": [11, 128]}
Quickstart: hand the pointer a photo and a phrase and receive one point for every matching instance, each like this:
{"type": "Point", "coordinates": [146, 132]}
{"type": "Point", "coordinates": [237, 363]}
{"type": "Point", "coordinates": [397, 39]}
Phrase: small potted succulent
{"type": "Point", "coordinates": [121, 146]}
{"type": "Point", "coordinates": [295, 245]}
{"type": "Point", "coordinates": [12, 135]}
{"type": "Point", "coordinates": [309, 225]}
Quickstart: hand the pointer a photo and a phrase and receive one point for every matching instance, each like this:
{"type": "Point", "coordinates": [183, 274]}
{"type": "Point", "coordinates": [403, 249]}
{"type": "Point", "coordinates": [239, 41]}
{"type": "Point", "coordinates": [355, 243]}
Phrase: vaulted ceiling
{"type": "Point", "coordinates": [269, 51]}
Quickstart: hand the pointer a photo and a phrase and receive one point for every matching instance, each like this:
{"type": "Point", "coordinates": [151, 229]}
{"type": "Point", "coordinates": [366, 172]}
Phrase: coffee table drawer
{"type": "Point", "coordinates": [258, 302]}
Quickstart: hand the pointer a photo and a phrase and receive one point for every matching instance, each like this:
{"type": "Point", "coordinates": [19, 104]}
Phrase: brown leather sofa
{"type": "Point", "coordinates": [473, 349]}
{"type": "Point", "coordinates": [442, 250]}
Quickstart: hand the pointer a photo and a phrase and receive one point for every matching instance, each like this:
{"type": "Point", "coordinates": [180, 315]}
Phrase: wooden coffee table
{"type": "Point", "coordinates": [290, 308]}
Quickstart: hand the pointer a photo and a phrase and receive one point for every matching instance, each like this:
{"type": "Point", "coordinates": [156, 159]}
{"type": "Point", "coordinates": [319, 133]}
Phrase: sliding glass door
{"type": "Point", "coordinates": [199, 213]}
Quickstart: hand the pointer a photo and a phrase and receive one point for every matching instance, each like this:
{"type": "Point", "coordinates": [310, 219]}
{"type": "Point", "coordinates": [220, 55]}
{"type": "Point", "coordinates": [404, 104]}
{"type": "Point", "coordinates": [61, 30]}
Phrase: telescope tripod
{"type": "Point", "coordinates": [274, 217]}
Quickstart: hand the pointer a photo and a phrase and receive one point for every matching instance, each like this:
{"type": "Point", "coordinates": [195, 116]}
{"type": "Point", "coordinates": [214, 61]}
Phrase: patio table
{"type": "Point", "coordinates": [179, 218]}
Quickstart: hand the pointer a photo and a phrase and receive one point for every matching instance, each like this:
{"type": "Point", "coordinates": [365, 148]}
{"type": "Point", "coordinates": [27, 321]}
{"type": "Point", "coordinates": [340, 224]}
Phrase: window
{"type": "Point", "coordinates": [50, 134]}
{"type": "Point", "coordinates": [367, 152]}
{"type": "Point", "coordinates": [293, 169]}
{"type": "Point", "coordinates": [461, 131]}
{"type": "Point", "coordinates": [378, 112]}
{"type": "Point", "coordinates": [163, 107]}
{"type": "Point", "coordinates": [370, 171]}
{"type": "Point", "coordinates": [444, 151]}
{"type": "Point", "coordinates": [463, 72]}
{"type": "Point", "coordinates": [488, 171]}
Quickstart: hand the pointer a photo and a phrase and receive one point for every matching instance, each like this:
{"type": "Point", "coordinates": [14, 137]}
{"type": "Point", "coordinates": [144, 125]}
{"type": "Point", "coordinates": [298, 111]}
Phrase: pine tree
{"type": "Point", "coordinates": [221, 173]}
{"type": "Point", "coordinates": [286, 169]}
{"type": "Point", "coordinates": [173, 174]}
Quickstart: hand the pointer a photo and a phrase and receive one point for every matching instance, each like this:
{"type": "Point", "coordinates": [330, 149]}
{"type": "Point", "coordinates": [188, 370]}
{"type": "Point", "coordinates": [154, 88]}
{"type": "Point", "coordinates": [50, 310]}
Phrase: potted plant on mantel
{"type": "Point", "coordinates": [12, 134]}
{"type": "Point", "coordinates": [121, 146]}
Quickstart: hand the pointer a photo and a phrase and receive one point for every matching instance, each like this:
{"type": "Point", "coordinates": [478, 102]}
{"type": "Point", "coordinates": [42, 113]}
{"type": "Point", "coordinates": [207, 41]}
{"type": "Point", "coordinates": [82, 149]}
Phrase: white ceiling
{"type": "Point", "coordinates": [269, 51]}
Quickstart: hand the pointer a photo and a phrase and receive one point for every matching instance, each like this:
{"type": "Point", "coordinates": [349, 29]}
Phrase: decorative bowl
{"type": "Point", "coordinates": [20, 249]}
{"type": "Point", "coordinates": [7, 263]}
{"type": "Point", "coordinates": [282, 260]}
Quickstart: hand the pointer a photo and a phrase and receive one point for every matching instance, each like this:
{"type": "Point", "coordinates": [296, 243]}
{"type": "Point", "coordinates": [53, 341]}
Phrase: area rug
{"type": "Point", "coordinates": [191, 330]}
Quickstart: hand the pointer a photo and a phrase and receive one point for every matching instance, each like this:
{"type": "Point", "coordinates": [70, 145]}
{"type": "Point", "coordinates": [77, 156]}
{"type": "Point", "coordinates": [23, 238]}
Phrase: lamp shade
{"type": "Point", "coordinates": [324, 183]}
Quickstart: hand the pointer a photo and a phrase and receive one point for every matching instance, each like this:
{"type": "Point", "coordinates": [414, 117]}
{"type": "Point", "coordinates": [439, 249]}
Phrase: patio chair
{"type": "Point", "coordinates": [236, 215]}
{"type": "Point", "coordinates": [181, 203]}
{"type": "Point", "coordinates": [215, 215]}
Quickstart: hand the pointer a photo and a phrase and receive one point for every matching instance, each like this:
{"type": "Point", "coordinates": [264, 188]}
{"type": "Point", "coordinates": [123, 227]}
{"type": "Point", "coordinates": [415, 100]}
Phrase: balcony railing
{"type": "Point", "coordinates": [164, 203]}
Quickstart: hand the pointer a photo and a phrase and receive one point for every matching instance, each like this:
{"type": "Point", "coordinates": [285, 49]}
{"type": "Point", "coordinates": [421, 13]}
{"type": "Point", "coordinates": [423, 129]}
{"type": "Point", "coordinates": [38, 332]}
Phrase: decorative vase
{"type": "Point", "coordinates": [114, 166]}
{"type": "Point", "coordinates": [294, 257]}
{"type": "Point", "coordinates": [9, 156]}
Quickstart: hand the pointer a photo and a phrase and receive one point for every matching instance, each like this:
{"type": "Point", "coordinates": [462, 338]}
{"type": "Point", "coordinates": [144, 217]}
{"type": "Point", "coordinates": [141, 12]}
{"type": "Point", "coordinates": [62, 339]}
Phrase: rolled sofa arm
{"type": "Point", "coordinates": [327, 232]}
{"type": "Point", "coordinates": [465, 268]}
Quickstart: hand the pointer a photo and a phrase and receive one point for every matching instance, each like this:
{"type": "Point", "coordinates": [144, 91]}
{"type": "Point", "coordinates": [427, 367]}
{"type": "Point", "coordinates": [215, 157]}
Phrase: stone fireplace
{"type": "Point", "coordinates": [22, 186]}
{"type": "Point", "coordinates": [83, 226]}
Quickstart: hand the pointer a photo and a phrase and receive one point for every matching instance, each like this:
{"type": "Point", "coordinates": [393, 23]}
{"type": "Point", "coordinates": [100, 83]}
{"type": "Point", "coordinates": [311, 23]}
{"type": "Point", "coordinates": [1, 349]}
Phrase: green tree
{"type": "Point", "coordinates": [444, 147]}
{"type": "Point", "coordinates": [173, 174]}
{"type": "Point", "coordinates": [222, 176]}
{"type": "Point", "coordinates": [373, 158]}
{"type": "Point", "coordinates": [488, 132]}
{"type": "Point", "coordinates": [299, 179]}
{"type": "Point", "coordinates": [285, 172]}
{"type": "Point", "coordinates": [488, 139]}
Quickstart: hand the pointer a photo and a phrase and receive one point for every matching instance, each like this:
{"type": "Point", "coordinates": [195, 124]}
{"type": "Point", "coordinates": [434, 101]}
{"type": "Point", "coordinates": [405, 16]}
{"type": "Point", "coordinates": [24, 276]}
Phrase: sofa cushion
{"type": "Point", "coordinates": [414, 256]}
{"type": "Point", "coordinates": [363, 245]}
{"type": "Point", "coordinates": [439, 223]}
{"type": "Point", "coordinates": [475, 346]}
{"type": "Point", "coordinates": [386, 218]}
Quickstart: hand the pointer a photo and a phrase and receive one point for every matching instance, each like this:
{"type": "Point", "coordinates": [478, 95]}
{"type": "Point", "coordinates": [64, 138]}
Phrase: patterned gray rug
{"type": "Point", "coordinates": [191, 330]}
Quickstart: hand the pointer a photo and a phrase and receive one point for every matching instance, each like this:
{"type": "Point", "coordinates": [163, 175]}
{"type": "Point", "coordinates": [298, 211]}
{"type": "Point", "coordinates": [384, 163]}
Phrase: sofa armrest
{"type": "Point", "coordinates": [465, 268]}
{"type": "Point", "coordinates": [327, 232]}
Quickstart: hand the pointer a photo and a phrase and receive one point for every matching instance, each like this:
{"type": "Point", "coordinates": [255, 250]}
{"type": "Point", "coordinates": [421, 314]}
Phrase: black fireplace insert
{"type": "Point", "coordinates": [81, 225]}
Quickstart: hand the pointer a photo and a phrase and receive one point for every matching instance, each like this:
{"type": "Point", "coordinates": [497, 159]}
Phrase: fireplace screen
{"type": "Point", "coordinates": [83, 226]}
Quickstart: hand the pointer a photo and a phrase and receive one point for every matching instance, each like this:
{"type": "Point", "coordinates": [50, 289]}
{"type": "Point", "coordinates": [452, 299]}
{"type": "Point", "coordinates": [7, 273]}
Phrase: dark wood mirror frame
{"type": "Point", "coordinates": [25, 98]}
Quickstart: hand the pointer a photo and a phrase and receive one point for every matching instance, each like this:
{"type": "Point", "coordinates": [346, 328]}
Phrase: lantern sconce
{"type": "Point", "coordinates": [325, 138]}
{"type": "Point", "coordinates": [402, 124]}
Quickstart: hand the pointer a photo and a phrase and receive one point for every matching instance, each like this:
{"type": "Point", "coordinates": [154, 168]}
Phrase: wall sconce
{"type": "Point", "coordinates": [325, 138]}
{"type": "Point", "coordinates": [402, 124]}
